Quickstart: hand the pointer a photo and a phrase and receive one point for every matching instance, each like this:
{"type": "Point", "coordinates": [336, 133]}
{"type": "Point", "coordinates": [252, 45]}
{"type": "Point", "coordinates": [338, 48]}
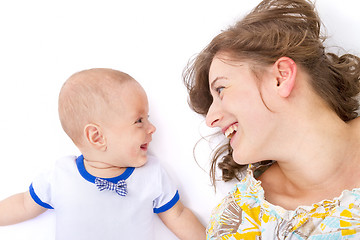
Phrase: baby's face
{"type": "Point", "coordinates": [128, 130]}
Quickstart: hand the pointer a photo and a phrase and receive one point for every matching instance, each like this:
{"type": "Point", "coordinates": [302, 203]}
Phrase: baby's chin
{"type": "Point", "coordinates": [140, 162]}
{"type": "Point", "coordinates": [140, 165]}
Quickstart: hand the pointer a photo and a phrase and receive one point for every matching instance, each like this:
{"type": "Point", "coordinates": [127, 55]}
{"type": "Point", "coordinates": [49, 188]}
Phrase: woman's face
{"type": "Point", "coordinates": [238, 108]}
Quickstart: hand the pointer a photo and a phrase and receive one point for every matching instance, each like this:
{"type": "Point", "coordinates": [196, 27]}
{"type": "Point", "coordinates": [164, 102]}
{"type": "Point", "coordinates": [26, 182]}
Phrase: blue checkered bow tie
{"type": "Point", "coordinates": [120, 187]}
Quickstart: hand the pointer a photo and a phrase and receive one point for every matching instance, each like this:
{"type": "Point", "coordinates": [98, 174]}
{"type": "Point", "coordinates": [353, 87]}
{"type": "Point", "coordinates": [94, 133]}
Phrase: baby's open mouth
{"type": "Point", "coordinates": [144, 146]}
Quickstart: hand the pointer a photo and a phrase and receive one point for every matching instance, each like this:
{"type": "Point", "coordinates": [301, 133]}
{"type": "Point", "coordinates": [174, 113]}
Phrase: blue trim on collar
{"type": "Point", "coordinates": [87, 176]}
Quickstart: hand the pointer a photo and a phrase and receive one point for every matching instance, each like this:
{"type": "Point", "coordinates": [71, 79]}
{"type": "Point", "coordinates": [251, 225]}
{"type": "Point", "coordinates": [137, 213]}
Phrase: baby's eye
{"type": "Point", "coordinates": [140, 120]}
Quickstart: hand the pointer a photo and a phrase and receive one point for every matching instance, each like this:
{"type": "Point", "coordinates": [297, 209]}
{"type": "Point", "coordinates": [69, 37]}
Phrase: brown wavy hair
{"type": "Point", "coordinates": [273, 29]}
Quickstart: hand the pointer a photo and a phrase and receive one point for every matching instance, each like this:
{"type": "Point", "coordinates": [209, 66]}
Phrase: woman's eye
{"type": "Point", "coordinates": [219, 90]}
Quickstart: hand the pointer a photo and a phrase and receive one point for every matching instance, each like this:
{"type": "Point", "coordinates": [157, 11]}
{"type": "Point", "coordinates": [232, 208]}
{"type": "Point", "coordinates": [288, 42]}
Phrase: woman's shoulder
{"type": "Point", "coordinates": [355, 122]}
{"type": "Point", "coordinates": [354, 126]}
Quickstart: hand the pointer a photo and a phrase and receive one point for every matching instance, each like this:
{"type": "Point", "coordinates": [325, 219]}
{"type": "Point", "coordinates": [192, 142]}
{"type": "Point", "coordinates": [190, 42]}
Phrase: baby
{"type": "Point", "coordinates": [114, 188]}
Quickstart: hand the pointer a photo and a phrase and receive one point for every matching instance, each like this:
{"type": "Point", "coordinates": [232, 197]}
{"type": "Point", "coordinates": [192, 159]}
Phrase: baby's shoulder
{"type": "Point", "coordinates": [66, 160]}
{"type": "Point", "coordinates": [65, 163]}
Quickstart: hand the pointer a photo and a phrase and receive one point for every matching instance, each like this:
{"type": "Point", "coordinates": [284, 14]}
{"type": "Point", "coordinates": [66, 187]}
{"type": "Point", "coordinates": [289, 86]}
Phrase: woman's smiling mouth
{"type": "Point", "coordinates": [230, 131]}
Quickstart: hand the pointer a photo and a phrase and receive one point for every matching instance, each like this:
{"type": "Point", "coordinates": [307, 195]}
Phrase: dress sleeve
{"type": "Point", "coordinates": [168, 194]}
{"type": "Point", "coordinates": [40, 190]}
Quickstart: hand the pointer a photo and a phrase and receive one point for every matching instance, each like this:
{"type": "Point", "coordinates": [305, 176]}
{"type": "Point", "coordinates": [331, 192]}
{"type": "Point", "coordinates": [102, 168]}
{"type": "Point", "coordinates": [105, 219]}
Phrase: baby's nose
{"type": "Point", "coordinates": [152, 128]}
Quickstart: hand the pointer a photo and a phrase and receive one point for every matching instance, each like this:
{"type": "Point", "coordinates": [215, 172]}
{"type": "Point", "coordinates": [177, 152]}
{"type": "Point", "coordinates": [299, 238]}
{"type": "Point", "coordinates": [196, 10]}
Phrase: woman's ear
{"type": "Point", "coordinates": [94, 135]}
{"type": "Point", "coordinates": [285, 72]}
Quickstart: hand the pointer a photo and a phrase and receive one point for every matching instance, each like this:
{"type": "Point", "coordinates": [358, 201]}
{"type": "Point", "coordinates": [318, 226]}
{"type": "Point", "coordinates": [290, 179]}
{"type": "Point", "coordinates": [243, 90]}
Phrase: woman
{"type": "Point", "coordinates": [288, 108]}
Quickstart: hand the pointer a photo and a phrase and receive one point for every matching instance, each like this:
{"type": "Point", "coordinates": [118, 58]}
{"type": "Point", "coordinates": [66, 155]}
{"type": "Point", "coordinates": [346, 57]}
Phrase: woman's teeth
{"type": "Point", "coordinates": [231, 131]}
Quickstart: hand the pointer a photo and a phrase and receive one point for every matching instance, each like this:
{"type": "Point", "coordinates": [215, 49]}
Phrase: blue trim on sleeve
{"type": "Point", "coordinates": [87, 176]}
{"type": "Point", "coordinates": [168, 205]}
{"type": "Point", "coordinates": [37, 199]}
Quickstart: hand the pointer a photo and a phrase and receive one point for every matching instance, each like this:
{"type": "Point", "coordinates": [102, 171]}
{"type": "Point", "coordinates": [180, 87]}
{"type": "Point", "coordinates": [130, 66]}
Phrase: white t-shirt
{"type": "Point", "coordinates": [85, 212]}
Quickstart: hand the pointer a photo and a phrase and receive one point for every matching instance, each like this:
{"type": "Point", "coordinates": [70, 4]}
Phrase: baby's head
{"type": "Point", "coordinates": [105, 113]}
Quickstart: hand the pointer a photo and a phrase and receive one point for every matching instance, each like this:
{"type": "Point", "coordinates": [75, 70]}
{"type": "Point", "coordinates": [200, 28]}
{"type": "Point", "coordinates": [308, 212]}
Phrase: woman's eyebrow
{"type": "Point", "coordinates": [215, 80]}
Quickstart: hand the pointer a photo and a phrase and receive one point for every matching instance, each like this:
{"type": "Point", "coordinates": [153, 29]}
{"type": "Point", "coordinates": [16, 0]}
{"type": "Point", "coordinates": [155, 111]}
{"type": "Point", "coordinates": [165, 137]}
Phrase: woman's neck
{"type": "Point", "coordinates": [318, 162]}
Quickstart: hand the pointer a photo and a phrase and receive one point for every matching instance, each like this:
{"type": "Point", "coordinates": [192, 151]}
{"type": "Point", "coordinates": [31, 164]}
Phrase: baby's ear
{"type": "Point", "coordinates": [285, 72]}
{"type": "Point", "coordinates": [94, 135]}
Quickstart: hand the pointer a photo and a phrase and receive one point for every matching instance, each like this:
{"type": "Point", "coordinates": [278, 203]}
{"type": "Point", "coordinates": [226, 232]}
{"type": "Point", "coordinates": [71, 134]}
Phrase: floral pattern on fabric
{"type": "Point", "coordinates": [245, 214]}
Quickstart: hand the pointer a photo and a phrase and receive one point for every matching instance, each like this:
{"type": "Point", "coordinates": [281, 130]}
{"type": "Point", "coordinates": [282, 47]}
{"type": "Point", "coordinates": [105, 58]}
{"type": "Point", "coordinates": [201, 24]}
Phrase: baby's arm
{"type": "Point", "coordinates": [18, 208]}
{"type": "Point", "coordinates": [183, 223]}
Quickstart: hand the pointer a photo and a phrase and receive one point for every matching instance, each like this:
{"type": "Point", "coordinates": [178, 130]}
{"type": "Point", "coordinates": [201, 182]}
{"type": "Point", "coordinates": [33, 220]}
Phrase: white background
{"type": "Point", "coordinates": [43, 42]}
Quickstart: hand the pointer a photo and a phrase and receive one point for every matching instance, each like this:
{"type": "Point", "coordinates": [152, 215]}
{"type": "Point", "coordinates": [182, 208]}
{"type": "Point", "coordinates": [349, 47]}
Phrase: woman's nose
{"type": "Point", "coordinates": [213, 115]}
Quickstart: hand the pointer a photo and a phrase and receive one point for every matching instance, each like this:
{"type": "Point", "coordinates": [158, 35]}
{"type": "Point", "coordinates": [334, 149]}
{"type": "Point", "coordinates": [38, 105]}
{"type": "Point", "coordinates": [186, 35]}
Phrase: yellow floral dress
{"type": "Point", "coordinates": [245, 214]}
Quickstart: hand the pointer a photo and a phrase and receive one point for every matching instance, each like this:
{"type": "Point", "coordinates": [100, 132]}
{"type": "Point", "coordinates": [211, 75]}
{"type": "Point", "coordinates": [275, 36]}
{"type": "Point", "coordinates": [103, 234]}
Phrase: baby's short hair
{"type": "Point", "coordinates": [83, 96]}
